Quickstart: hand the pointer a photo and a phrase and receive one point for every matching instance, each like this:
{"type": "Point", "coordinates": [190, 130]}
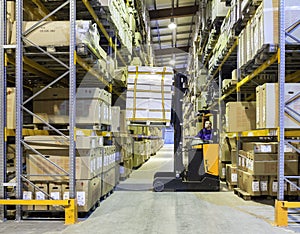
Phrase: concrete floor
{"type": "Point", "coordinates": [134, 208]}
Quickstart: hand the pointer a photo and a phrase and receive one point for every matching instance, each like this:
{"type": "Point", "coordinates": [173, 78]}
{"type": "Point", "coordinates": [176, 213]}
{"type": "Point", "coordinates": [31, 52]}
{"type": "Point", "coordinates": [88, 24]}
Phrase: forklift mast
{"type": "Point", "coordinates": [180, 84]}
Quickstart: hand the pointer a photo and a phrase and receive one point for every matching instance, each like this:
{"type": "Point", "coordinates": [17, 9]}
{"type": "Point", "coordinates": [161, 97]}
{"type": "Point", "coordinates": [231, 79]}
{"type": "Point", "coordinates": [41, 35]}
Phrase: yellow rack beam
{"type": "Point", "coordinates": [103, 30]}
{"type": "Point", "coordinates": [263, 132]}
{"type": "Point", "coordinates": [151, 73]}
{"type": "Point", "coordinates": [248, 78]}
{"type": "Point", "coordinates": [70, 206]}
{"type": "Point", "coordinates": [236, 42]}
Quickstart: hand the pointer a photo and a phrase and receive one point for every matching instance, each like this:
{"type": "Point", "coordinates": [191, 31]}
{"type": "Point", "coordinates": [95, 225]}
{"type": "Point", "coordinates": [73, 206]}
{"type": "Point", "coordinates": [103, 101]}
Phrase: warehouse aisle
{"type": "Point", "coordinates": [142, 179]}
{"type": "Point", "coordinates": [133, 208]}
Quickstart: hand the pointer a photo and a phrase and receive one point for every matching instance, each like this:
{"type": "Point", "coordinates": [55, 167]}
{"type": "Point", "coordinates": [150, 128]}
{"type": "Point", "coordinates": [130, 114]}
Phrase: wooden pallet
{"type": "Point", "coordinates": [242, 194]}
{"type": "Point", "coordinates": [231, 186]}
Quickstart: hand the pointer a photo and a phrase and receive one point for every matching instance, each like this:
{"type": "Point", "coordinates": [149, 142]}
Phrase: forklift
{"type": "Point", "coordinates": [202, 170]}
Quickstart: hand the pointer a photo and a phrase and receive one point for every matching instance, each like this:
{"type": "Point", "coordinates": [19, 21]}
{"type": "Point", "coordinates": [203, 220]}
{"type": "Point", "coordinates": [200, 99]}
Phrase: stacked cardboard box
{"type": "Point", "coordinates": [258, 164]}
{"type": "Point", "coordinates": [122, 17]}
{"type": "Point", "coordinates": [57, 33]}
{"type": "Point", "coordinates": [231, 175]}
{"type": "Point", "coordinates": [149, 94]}
{"type": "Point", "coordinates": [95, 169]}
{"type": "Point", "coordinates": [93, 106]}
{"type": "Point", "coordinates": [219, 9]}
{"type": "Point", "coordinates": [138, 152]}
{"type": "Point", "coordinates": [262, 29]}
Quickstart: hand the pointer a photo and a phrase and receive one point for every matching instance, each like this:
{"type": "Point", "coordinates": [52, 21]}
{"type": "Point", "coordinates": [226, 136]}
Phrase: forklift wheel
{"type": "Point", "coordinates": [158, 186]}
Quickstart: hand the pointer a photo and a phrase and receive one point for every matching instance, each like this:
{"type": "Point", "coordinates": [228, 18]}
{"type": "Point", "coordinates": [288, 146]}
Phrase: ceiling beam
{"type": "Point", "coordinates": [170, 41]}
{"type": "Point", "coordinates": [170, 34]}
{"type": "Point", "coordinates": [178, 25]}
{"type": "Point", "coordinates": [170, 51]}
{"type": "Point", "coordinates": [177, 12]}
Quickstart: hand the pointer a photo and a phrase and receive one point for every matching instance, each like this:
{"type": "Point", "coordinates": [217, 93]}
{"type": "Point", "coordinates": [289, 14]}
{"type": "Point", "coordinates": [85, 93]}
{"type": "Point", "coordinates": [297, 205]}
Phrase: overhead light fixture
{"type": "Point", "coordinates": [172, 24]}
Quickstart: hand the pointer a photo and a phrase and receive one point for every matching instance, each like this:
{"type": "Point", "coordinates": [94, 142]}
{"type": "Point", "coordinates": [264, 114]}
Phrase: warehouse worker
{"type": "Point", "coordinates": [205, 133]}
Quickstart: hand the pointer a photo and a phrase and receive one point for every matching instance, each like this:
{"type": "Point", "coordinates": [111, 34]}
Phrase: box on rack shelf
{"type": "Point", "coordinates": [231, 174]}
{"type": "Point", "coordinates": [267, 105]}
{"type": "Point", "coordinates": [240, 116]}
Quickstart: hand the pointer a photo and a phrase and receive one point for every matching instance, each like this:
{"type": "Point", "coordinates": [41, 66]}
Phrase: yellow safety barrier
{"type": "Point", "coordinates": [281, 211]}
{"type": "Point", "coordinates": [70, 205]}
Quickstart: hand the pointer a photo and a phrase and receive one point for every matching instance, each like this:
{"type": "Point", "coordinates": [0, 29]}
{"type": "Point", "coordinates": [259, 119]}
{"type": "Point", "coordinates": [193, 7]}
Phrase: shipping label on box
{"type": "Point", "coordinates": [255, 186]}
{"type": "Point", "coordinates": [80, 195]}
{"type": "Point", "coordinates": [264, 186]}
{"type": "Point", "coordinates": [27, 195]}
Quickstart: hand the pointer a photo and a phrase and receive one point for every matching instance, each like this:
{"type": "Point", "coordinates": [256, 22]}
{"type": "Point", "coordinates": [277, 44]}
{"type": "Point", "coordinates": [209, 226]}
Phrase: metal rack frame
{"type": "Point", "coordinates": [71, 206]}
{"type": "Point", "coordinates": [281, 206]}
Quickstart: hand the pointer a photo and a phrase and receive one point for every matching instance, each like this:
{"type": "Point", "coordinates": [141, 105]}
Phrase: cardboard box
{"type": "Point", "coordinates": [292, 189]}
{"type": "Point", "coordinates": [65, 191]}
{"type": "Point", "coordinates": [123, 122]}
{"type": "Point", "coordinates": [273, 186]}
{"type": "Point", "coordinates": [92, 106]}
{"type": "Point", "coordinates": [219, 9]}
{"type": "Point", "coordinates": [40, 195]}
{"type": "Point", "coordinates": [115, 113]}
{"type": "Point", "coordinates": [240, 116]}
{"type": "Point", "coordinates": [264, 185]}
{"type": "Point", "coordinates": [55, 191]}
{"type": "Point", "coordinates": [259, 147]}
{"type": "Point", "coordinates": [56, 33]}
{"type": "Point", "coordinates": [28, 195]}
{"type": "Point", "coordinates": [267, 95]}
{"type": "Point", "coordinates": [87, 142]}
{"type": "Point", "coordinates": [37, 165]}
{"type": "Point", "coordinates": [231, 174]}
{"type": "Point", "coordinates": [11, 108]}
{"type": "Point", "coordinates": [108, 181]}
{"type": "Point", "coordinates": [249, 183]}
{"type": "Point", "coordinates": [87, 193]}
{"type": "Point", "coordinates": [234, 75]}
{"type": "Point", "coordinates": [266, 164]}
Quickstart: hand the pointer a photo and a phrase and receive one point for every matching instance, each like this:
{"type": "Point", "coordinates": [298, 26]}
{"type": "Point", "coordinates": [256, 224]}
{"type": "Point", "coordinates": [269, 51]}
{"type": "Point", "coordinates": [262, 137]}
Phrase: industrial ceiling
{"type": "Point", "coordinates": [171, 46]}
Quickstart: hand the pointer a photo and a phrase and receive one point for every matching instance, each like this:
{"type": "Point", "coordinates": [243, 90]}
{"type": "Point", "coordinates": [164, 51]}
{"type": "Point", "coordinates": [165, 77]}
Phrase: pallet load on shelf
{"type": "Point", "coordinates": [267, 105]}
{"type": "Point", "coordinates": [93, 106]}
{"type": "Point", "coordinates": [258, 167]}
{"type": "Point", "coordinates": [126, 157]}
{"type": "Point", "coordinates": [95, 167]}
{"type": "Point", "coordinates": [200, 81]}
{"type": "Point", "coordinates": [109, 171]}
{"type": "Point", "coordinates": [138, 153]}
{"type": "Point", "coordinates": [262, 29]}
{"type": "Point", "coordinates": [149, 94]}
{"type": "Point", "coordinates": [146, 152]}
{"type": "Point", "coordinates": [219, 9]}
{"type": "Point", "coordinates": [240, 116]}
{"type": "Point", "coordinates": [53, 34]}
{"type": "Point", "coordinates": [123, 18]}
{"type": "Point", "coordinates": [115, 113]}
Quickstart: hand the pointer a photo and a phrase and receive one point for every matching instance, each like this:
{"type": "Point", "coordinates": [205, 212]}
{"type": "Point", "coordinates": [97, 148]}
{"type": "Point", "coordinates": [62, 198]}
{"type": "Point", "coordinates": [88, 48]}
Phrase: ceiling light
{"type": "Point", "coordinates": [172, 25]}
